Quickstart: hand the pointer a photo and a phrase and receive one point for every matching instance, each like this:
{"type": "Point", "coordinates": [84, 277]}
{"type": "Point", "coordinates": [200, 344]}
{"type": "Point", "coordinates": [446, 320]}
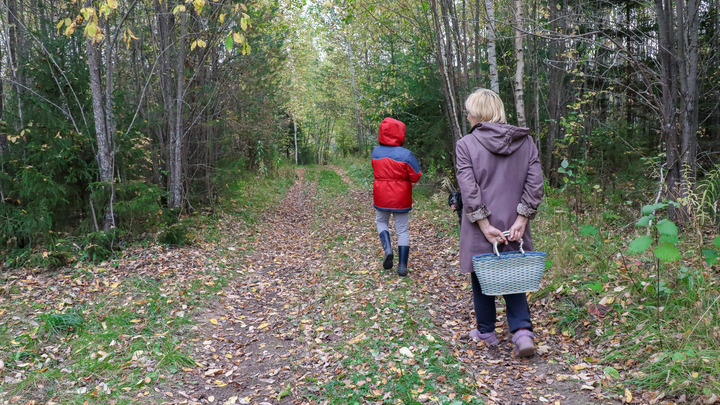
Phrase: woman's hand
{"type": "Point", "coordinates": [491, 233]}
{"type": "Point", "coordinates": [517, 230]}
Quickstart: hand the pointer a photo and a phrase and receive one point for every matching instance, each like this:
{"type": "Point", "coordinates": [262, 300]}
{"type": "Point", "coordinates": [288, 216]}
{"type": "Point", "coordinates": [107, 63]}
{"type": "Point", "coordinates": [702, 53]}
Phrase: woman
{"type": "Point", "coordinates": [500, 178]}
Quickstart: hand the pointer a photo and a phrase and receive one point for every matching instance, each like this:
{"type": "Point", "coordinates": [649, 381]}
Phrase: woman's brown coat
{"type": "Point", "coordinates": [500, 177]}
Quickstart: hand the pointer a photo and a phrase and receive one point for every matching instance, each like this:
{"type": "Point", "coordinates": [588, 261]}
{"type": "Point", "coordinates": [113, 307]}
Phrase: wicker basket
{"type": "Point", "coordinates": [509, 272]}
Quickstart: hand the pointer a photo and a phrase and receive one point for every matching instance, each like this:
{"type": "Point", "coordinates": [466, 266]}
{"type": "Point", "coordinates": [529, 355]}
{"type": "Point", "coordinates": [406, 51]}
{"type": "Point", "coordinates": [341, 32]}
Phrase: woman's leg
{"type": "Point", "coordinates": [518, 312]}
{"type": "Point", "coordinates": [484, 307]}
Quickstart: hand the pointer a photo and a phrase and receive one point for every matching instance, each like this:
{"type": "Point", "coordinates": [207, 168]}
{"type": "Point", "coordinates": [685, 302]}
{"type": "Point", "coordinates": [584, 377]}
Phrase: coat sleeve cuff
{"type": "Point", "coordinates": [526, 211]}
{"type": "Point", "coordinates": [481, 213]}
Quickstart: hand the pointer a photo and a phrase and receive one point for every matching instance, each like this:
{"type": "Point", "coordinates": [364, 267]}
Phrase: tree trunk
{"type": "Point", "coordinates": [176, 133]}
{"type": "Point", "coordinates": [356, 97]}
{"type": "Point", "coordinates": [519, 56]}
{"type": "Point", "coordinates": [164, 22]}
{"type": "Point", "coordinates": [688, 17]}
{"type": "Point", "coordinates": [478, 70]}
{"type": "Point", "coordinates": [556, 83]}
{"type": "Point", "coordinates": [15, 57]}
{"type": "Point", "coordinates": [295, 138]}
{"type": "Point", "coordinates": [104, 155]}
{"type": "Point", "coordinates": [668, 98]}
{"type": "Point", "coordinates": [492, 58]}
{"type": "Point", "coordinates": [445, 63]}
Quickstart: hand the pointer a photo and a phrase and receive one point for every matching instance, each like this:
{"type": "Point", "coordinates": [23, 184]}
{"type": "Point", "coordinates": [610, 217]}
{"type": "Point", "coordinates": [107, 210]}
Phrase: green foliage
{"type": "Point", "coordinates": [588, 230]}
{"type": "Point", "coordinates": [665, 235]}
{"type": "Point", "coordinates": [708, 191]}
{"type": "Point", "coordinates": [138, 206]}
{"type": "Point", "coordinates": [176, 235]}
{"type": "Point", "coordinates": [712, 255]}
{"type": "Point", "coordinates": [99, 246]}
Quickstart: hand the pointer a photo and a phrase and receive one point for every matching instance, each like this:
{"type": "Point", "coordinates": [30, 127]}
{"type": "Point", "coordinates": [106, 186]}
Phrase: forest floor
{"type": "Point", "coordinates": [281, 331]}
{"type": "Point", "coordinates": [297, 310]}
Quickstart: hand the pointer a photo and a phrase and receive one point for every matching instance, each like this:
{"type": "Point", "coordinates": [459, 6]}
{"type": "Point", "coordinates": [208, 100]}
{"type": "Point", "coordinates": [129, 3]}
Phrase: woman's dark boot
{"type": "Point", "coordinates": [403, 253]}
{"type": "Point", "coordinates": [387, 247]}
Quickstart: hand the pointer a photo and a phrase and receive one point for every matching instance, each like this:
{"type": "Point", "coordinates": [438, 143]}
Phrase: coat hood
{"type": "Point", "coordinates": [500, 139]}
{"type": "Point", "coordinates": [392, 132]}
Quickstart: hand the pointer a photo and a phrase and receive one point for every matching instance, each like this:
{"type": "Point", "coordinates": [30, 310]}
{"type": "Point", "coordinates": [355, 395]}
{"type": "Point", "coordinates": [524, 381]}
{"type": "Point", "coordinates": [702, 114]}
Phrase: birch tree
{"type": "Point", "coordinates": [491, 50]}
{"type": "Point", "coordinates": [520, 64]}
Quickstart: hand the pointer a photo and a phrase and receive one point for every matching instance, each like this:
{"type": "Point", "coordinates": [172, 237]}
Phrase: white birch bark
{"type": "Point", "coordinates": [492, 57]}
{"type": "Point", "coordinates": [519, 56]}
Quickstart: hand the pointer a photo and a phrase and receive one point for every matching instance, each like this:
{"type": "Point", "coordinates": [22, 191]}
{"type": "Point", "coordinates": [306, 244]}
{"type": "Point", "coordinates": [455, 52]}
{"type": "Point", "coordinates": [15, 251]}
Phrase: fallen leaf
{"type": "Point", "coordinates": [405, 351]}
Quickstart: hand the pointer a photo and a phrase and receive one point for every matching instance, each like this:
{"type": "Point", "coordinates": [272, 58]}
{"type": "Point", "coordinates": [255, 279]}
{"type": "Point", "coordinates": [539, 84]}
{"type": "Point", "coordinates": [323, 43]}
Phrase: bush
{"type": "Point", "coordinates": [99, 246]}
{"type": "Point", "coordinates": [175, 235]}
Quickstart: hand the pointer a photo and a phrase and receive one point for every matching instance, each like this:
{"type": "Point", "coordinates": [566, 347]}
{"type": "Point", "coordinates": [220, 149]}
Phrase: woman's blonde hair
{"type": "Point", "coordinates": [484, 105]}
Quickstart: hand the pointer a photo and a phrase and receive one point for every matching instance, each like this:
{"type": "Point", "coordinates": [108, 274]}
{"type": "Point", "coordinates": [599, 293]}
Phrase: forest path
{"type": "Point", "coordinates": [285, 329]}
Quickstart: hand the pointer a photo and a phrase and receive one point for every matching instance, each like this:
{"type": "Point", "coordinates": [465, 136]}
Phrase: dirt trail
{"type": "Point", "coordinates": [260, 343]}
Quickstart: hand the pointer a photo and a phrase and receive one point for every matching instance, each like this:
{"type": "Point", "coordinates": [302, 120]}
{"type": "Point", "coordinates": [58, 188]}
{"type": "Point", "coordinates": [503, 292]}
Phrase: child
{"type": "Point", "coordinates": [395, 170]}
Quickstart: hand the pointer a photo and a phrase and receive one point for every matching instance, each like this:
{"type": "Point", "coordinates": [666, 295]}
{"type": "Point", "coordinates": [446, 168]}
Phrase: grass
{"type": "Point", "coordinates": [661, 334]}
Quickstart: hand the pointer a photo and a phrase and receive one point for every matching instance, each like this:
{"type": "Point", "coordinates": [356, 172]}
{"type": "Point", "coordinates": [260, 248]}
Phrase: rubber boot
{"type": "Point", "coordinates": [403, 252]}
{"type": "Point", "coordinates": [387, 247]}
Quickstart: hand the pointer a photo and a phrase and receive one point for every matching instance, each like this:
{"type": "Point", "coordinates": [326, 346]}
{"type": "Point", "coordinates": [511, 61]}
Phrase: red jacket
{"type": "Point", "coordinates": [395, 169]}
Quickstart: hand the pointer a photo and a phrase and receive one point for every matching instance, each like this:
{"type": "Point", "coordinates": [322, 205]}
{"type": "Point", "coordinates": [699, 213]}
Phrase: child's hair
{"type": "Point", "coordinates": [484, 105]}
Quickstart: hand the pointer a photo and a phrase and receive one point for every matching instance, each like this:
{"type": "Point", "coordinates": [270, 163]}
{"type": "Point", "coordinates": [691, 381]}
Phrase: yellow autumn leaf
{"type": "Point", "coordinates": [201, 43]}
{"type": "Point", "coordinates": [238, 38]}
{"type": "Point", "coordinates": [357, 338]}
{"type": "Point", "coordinates": [199, 4]}
{"type": "Point", "coordinates": [134, 320]}
{"type": "Point", "coordinates": [113, 4]}
{"type": "Point", "coordinates": [91, 30]}
{"type": "Point", "coordinates": [263, 326]}
{"type": "Point", "coordinates": [70, 29]}
{"type": "Point", "coordinates": [60, 24]}
{"type": "Point", "coordinates": [213, 321]}
{"type": "Point", "coordinates": [220, 383]}
{"type": "Point", "coordinates": [243, 24]}
{"type": "Point", "coordinates": [694, 374]}
{"type": "Point", "coordinates": [193, 45]}
{"type": "Point", "coordinates": [628, 396]}
{"type": "Point", "coordinates": [178, 9]}
{"type": "Point", "coordinates": [222, 18]}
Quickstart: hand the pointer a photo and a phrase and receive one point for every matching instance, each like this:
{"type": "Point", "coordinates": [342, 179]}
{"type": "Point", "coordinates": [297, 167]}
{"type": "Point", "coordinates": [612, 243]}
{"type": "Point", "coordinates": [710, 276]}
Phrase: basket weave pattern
{"type": "Point", "coordinates": [509, 272]}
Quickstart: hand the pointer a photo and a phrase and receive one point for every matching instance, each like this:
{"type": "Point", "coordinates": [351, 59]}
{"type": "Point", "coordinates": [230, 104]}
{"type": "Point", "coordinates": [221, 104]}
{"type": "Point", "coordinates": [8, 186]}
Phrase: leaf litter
{"type": "Point", "coordinates": [280, 332]}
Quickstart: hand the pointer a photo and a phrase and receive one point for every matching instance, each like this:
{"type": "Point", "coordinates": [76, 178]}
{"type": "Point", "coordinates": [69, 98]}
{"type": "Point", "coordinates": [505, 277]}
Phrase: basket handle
{"type": "Point", "coordinates": [506, 234]}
